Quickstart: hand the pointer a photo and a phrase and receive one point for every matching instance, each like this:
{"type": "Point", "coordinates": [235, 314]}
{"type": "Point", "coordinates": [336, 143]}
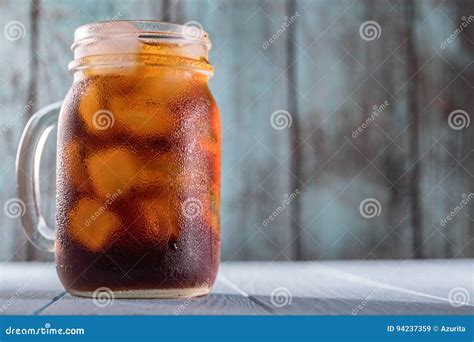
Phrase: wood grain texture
{"type": "Point", "coordinates": [24, 302]}
{"type": "Point", "coordinates": [320, 70]}
{"type": "Point", "coordinates": [16, 80]}
{"type": "Point", "coordinates": [446, 85]}
{"type": "Point", "coordinates": [262, 288]}
{"type": "Point", "coordinates": [354, 288]}
{"type": "Point", "coordinates": [213, 304]}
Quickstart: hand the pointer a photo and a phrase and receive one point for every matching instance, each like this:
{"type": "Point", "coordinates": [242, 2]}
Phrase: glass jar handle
{"type": "Point", "coordinates": [28, 159]}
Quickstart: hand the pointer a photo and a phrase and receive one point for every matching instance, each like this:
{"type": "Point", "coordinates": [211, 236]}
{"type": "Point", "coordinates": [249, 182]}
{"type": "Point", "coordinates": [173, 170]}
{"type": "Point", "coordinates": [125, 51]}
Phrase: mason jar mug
{"type": "Point", "coordinates": [138, 164]}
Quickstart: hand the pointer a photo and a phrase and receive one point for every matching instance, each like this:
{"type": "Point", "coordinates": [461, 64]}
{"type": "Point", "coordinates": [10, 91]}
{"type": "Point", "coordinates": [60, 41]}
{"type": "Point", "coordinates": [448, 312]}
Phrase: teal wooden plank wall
{"type": "Point", "coordinates": [307, 58]}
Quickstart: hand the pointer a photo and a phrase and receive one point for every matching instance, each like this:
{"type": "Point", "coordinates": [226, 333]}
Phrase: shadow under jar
{"type": "Point", "coordinates": [138, 164]}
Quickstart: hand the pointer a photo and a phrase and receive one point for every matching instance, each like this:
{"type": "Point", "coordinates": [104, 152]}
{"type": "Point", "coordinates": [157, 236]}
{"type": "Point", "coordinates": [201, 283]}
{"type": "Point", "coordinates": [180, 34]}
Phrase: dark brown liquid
{"type": "Point", "coordinates": [138, 201]}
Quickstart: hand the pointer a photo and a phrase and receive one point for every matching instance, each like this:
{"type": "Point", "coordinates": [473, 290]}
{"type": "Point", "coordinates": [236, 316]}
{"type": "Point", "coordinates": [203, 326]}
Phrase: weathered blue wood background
{"type": "Point", "coordinates": [319, 69]}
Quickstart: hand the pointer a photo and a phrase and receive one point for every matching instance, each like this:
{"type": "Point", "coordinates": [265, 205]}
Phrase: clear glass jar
{"type": "Point", "coordinates": [138, 164]}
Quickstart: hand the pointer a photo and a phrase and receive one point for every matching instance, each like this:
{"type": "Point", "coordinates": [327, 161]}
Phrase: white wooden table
{"type": "Point", "coordinates": [432, 287]}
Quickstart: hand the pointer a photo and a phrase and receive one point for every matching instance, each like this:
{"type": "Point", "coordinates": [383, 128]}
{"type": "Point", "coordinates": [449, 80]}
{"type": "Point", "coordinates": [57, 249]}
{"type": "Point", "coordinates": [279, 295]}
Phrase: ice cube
{"type": "Point", "coordinates": [142, 117]}
{"type": "Point", "coordinates": [214, 222]}
{"type": "Point", "coordinates": [104, 40]}
{"type": "Point", "coordinates": [212, 153]}
{"type": "Point", "coordinates": [162, 84]}
{"type": "Point", "coordinates": [113, 170]}
{"type": "Point", "coordinates": [89, 104]}
{"type": "Point", "coordinates": [97, 119]}
{"type": "Point", "coordinates": [159, 170]}
{"type": "Point", "coordinates": [160, 218]}
{"type": "Point", "coordinates": [92, 224]}
{"type": "Point", "coordinates": [215, 207]}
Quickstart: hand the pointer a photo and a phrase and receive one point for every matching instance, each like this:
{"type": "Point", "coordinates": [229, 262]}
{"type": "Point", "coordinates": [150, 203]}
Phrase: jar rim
{"type": "Point", "coordinates": [117, 42]}
{"type": "Point", "coordinates": [191, 32]}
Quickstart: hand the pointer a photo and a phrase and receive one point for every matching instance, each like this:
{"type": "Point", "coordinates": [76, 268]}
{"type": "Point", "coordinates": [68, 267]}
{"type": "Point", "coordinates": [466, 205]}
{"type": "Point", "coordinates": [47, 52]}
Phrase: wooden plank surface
{"type": "Point", "coordinates": [389, 287]}
{"type": "Point", "coordinates": [262, 288]}
{"type": "Point", "coordinates": [38, 291]}
{"type": "Point", "coordinates": [213, 304]}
